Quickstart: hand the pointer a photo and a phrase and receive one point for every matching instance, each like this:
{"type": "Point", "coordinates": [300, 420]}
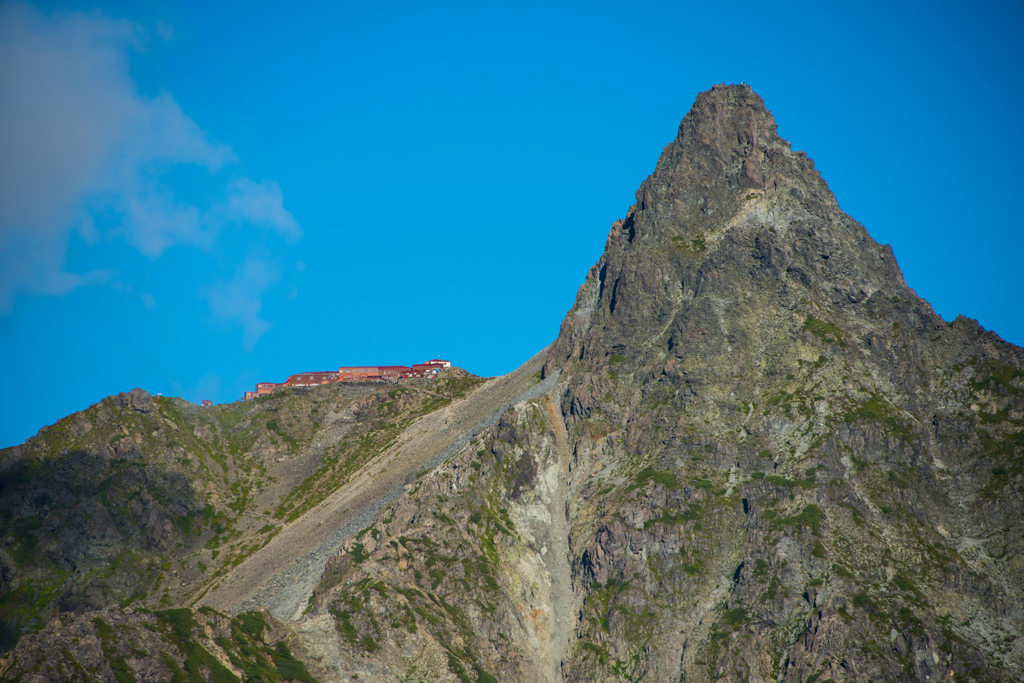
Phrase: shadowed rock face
{"type": "Point", "coordinates": [764, 458]}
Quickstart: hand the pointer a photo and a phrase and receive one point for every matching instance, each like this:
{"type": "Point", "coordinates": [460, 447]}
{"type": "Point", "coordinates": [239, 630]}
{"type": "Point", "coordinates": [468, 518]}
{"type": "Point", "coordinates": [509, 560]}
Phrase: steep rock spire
{"type": "Point", "coordinates": [728, 197]}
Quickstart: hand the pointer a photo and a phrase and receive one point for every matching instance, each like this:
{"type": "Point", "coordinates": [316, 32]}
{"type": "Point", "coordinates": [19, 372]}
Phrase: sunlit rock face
{"type": "Point", "coordinates": [784, 463]}
{"type": "Point", "coordinates": [768, 456]}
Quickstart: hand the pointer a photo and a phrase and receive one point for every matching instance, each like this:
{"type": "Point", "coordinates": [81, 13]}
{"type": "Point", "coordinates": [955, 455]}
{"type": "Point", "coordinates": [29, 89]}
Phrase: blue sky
{"type": "Point", "coordinates": [198, 196]}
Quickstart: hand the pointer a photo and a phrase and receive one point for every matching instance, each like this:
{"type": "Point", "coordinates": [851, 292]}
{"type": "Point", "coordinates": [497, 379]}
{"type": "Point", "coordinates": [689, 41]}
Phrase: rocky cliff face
{"type": "Point", "coordinates": [762, 457]}
{"type": "Point", "coordinates": [769, 460]}
{"type": "Point", "coordinates": [785, 465]}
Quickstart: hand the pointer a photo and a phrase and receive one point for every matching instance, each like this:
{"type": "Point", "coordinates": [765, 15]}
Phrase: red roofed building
{"type": "Point", "coordinates": [264, 388]}
{"type": "Point", "coordinates": [425, 369]}
{"type": "Point", "coordinates": [359, 373]}
{"type": "Point", "coordinates": [393, 371]}
{"type": "Point", "coordinates": [309, 379]}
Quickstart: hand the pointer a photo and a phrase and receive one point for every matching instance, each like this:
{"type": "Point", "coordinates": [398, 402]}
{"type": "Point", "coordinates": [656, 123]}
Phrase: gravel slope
{"type": "Point", "coordinates": [281, 576]}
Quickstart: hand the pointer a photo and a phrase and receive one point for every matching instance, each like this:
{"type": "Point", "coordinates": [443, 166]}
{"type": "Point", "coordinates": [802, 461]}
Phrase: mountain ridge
{"type": "Point", "coordinates": [759, 455]}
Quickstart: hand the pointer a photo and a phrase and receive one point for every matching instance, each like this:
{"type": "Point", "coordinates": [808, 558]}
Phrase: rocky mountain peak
{"type": "Point", "coordinates": [730, 211]}
{"type": "Point", "coordinates": [729, 129]}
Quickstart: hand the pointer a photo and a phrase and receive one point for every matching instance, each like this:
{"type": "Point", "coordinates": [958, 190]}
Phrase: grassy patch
{"type": "Point", "coordinates": [790, 483]}
{"type": "Point", "coordinates": [876, 409]}
{"type": "Point", "coordinates": [649, 474]}
{"type": "Point", "coordinates": [827, 332]}
{"type": "Point", "coordinates": [1001, 379]}
{"type": "Point", "coordinates": [689, 248]}
{"type": "Point", "coordinates": [735, 617]}
{"type": "Point", "coordinates": [865, 602]}
{"type": "Point", "coordinates": [691, 514]}
{"type": "Point", "coordinates": [811, 516]}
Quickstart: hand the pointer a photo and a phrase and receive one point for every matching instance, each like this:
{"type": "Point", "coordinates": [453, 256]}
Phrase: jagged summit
{"type": "Point", "coordinates": [729, 134]}
{"type": "Point", "coordinates": [728, 129]}
{"type": "Point", "coordinates": [730, 193]}
{"type": "Point", "coordinates": [730, 139]}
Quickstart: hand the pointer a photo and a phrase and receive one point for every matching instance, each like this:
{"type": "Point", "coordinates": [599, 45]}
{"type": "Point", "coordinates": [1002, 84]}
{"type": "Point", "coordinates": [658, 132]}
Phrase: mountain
{"type": "Point", "coordinates": [152, 501]}
{"type": "Point", "coordinates": [752, 453]}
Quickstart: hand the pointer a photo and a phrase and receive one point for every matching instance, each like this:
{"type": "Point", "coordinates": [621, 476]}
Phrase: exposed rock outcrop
{"type": "Point", "coordinates": [784, 465]}
{"type": "Point", "coordinates": [820, 455]}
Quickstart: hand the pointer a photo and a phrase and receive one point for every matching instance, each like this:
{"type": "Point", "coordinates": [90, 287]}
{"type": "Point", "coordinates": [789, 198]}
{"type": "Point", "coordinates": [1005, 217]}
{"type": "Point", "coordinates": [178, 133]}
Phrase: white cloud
{"type": "Point", "coordinates": [238, 301]}
{"type": "Point", "coordinates": [76, 138]}
{"type": "Point", "coordinates": [147, 299]}
{"type": "Point", "coordinates": [88, 232]}
{"type": "Point", "coordinates": [154, 222]}
{"type": "Point", "coordinates": [165, 31]}
{"type": "Point", "coordinates": [262, 204]}
{"type": "Point", "coordinates": [39, 261]}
